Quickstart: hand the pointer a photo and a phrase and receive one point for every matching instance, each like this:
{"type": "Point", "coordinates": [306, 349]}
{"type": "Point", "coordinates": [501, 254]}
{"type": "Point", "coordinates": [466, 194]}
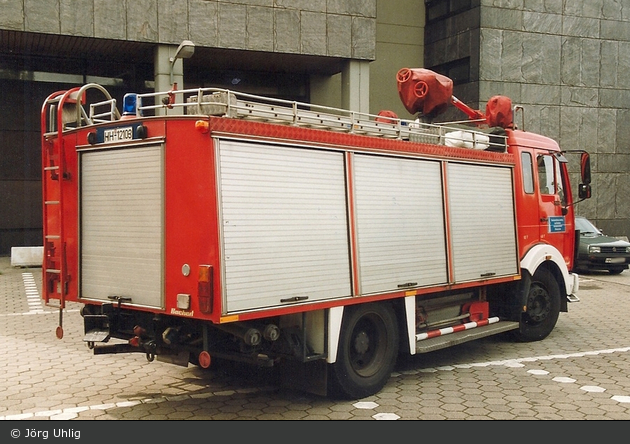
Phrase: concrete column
{"type": "Point", "coordinates": [162, 72]}
{"type": "Point", "coordinates": [162, 68]}
{"type": "Point", "coordinates": [355, 86]}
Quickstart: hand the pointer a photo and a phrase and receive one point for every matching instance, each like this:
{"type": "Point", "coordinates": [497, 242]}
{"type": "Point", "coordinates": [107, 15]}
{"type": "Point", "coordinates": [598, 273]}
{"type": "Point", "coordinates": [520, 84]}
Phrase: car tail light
{"type": "Point", "coordinates": [204, 288]}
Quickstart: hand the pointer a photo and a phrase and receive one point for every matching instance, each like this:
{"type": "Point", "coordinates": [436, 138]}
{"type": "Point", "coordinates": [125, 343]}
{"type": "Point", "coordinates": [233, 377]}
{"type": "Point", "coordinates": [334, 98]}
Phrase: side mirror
{"type": "Point", "coordinates": [584, 189]}
{"type": "Point", "coordinates": [585, 168]}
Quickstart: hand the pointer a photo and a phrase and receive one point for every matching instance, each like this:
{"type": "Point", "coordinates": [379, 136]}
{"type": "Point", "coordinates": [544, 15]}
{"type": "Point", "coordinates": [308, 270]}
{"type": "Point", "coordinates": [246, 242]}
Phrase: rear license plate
{"type": "Point", "coordinates": [118, 134]}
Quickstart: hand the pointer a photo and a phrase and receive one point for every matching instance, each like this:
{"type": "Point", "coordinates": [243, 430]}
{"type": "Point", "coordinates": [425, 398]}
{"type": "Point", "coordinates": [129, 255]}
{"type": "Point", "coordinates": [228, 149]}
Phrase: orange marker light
{"type": "Point", "coordinates": [202, 126]}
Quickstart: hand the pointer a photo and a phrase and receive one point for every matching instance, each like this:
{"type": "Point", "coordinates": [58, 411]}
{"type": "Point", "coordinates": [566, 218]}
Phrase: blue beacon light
{"type": "Point", "coordinates": [130, 104]}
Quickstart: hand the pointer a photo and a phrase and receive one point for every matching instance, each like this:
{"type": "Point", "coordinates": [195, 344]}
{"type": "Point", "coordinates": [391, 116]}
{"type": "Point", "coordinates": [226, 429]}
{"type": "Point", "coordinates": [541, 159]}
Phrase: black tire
{"type": "Point", "coordinates": [368, 348]}
{"type": "Point", "coordinates": [543, 308]}
{"type": "Point", "coordinates": [616, 270]}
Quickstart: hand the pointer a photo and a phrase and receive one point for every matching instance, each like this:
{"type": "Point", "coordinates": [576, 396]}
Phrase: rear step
{"type": "Point", "coordinates": [448, 339]}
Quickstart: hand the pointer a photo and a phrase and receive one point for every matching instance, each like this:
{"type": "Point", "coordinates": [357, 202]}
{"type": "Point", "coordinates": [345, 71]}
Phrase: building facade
{"type": "Point", "coordinates": [323, 51]}
{"type": "Point", "coordinates": [565, 62]}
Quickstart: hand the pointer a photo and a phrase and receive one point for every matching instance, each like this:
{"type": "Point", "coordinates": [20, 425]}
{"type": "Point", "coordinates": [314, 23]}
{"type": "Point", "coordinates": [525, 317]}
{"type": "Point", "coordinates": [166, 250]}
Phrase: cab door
{"type": "Point", "coordinates": [552, 210]}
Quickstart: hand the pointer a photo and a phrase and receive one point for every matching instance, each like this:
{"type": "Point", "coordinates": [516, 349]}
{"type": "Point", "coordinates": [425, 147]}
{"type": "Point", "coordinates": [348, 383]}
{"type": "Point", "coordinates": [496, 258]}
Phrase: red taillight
{"type": "Point", "coordinates": [204, 288]}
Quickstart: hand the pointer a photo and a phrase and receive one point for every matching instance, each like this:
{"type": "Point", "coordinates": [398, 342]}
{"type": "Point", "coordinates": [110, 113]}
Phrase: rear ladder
{"type": "Point", "coordinates": [54, 172]}
{"type": "Point", "coordinates": [62, 110]}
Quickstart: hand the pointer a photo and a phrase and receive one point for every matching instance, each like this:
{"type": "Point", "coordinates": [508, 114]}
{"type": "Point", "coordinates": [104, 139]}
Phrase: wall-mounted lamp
{"type": "Point", "coordinates": [185, 50]}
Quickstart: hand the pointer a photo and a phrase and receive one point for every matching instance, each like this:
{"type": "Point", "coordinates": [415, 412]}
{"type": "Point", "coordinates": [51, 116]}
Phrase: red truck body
{"type": "Point", "coordinates": [206, 224]}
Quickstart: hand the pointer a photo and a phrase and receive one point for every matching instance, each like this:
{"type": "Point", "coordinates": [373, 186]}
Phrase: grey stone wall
{"type": "Point", "coordinates": [336, 28]}
{"type": "Point", "coordinates": [567, 63]}
{"type": "Point", "coordinates": [330, 28]}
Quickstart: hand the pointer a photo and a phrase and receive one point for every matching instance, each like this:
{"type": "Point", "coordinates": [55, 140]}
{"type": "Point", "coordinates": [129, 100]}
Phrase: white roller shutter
{"type": "Point", "coordinates": [121, 224]}
{"type": "Point", "coordinates": [482, 221]}
{"type": "Point", "coordinates": [400, 223]}
{"type": "Point", "coordinates": [284, 225]}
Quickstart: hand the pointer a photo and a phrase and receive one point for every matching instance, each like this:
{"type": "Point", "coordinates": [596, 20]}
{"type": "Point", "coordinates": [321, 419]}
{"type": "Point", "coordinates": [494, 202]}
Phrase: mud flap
{"type": "Point", "coordinates": [309, 377]}
{"type": "Point", "coordinates": [523, 292]}
{"type": "Point", "coordinates": [180, 358]}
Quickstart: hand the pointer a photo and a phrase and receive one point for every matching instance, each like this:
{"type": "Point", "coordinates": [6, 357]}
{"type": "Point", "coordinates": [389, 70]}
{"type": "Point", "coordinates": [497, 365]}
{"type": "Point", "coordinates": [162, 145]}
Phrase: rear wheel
{"type": "Point", "coordinates": [543, 308]}
{"type": "Point", "coordinates": [368, 348]}
{"type": "Point", "coordinates": [615, 270]}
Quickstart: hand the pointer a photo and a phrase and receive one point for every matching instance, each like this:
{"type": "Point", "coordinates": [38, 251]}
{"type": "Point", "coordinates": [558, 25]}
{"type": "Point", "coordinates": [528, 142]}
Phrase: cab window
{"type": "Point", "coordinates": [545, 174]}
{"type": "Point", "coordinates": [550, 180]}
{"type": "Point", "coordinates": [528, 172]}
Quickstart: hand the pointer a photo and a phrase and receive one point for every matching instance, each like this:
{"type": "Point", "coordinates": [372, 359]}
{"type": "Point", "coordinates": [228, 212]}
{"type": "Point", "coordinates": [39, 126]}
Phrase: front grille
{"type": "Point", "coordinates": [613, 250]}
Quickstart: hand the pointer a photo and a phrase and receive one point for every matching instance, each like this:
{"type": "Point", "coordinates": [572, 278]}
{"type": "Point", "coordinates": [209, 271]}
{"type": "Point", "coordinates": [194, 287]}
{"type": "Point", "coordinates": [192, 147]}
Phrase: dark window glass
{"type": "Point", "coordinates": [528, 172]}
{"type": "Point", "coordinates": [457, 70]}
{"type": "Point", "coordinates": [440, 9]}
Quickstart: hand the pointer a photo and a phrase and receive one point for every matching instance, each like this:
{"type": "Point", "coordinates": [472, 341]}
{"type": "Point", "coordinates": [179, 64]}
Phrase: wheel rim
{"type": "Point", "coordinates": [538, 304]}
{"type": "Point", "coordinates": [368, 345]}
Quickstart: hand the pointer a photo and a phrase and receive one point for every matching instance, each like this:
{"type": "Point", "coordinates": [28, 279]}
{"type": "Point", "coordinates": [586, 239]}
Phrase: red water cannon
{"type": "Point", "coordinates": [424, 91]}
{"type": "Point", "coordinates": [429, 93]}
{"type": "Point", "coordinates": [499, 112]}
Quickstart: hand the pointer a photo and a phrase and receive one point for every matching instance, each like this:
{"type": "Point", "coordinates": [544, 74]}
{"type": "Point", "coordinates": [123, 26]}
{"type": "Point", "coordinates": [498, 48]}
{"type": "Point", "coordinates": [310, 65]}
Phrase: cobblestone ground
{"type": "Point", "coordinates": [580, 372]}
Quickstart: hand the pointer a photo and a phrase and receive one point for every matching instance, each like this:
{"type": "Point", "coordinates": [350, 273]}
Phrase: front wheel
{"type": "Point", "coordinates": [368, 348]}
{"type": "Point", "coordinates": [543, 308]}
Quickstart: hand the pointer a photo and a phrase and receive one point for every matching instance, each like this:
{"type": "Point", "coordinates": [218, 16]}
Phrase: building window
{"type": "Point", "coordinates": [441, 9]}
{"type": "Point", "coordinates": [456, 70]}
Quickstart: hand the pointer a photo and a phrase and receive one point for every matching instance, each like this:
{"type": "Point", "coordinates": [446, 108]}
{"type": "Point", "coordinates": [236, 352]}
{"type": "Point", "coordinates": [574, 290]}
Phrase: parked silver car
{"type": "Point", "coordinates": [597, 251]}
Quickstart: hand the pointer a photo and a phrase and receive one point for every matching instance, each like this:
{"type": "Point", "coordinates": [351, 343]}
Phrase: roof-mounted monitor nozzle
{"type": "Point", "coordinates": [429, 93]}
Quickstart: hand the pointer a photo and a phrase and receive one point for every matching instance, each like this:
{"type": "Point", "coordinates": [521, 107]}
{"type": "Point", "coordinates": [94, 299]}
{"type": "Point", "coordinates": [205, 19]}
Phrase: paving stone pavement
{"type": "Point", "coordinates": [580, 372]}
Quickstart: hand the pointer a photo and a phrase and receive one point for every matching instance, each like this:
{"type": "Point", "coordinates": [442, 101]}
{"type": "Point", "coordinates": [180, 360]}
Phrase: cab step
{"type": "Point", "coordinates": [446, 338]}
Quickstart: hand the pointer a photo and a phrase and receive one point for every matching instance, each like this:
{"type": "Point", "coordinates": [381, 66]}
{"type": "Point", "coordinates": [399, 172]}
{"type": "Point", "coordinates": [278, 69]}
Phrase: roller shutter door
{"type": "Point", "coordinates": [400, 223]}
{"type": "Point", "coordinates": [121, 224]}
{"type": "Point", "coordinates": [482, 221]}
{"type": "Point", "coordinates": [284, 225]}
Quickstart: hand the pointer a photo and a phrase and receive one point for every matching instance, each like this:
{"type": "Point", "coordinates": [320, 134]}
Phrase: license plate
{"type": "Point", "coordinates": [118, 134]}
{"type": "Point", "coordinates": [615, 260]}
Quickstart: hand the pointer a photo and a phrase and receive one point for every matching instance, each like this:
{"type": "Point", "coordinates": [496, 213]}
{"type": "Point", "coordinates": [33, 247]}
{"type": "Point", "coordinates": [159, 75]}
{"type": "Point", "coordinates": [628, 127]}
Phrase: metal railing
{"type": "Point", "coordinates": [228, 103]}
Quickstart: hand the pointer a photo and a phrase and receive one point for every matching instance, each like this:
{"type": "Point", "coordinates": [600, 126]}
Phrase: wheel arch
{"type": "Point", "coordinates": [401, 310]}
{"type": "Point", "coordinates": [542, 301]}
{"type": "Point", "coordinates": [335, 316]}
{"type": "Point", "coordinates": [367, 348]}
{"type": "Point", "coordinates": [545, 255]}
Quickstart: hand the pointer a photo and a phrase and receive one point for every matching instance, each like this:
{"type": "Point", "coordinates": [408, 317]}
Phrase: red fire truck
{"type": "Point", "coordinates": [205, 225]}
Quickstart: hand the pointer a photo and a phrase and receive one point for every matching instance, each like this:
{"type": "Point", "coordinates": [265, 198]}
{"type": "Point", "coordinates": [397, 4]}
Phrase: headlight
{"type": "Point", "coordinates": [627, 249]}
{"type": "Point", "coordinates": [594, 249]}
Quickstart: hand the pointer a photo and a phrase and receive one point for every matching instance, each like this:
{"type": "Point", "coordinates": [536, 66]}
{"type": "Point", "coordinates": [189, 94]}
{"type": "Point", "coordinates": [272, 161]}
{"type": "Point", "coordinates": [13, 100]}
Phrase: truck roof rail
{"type": "Point", "coordinates": [227, 103]}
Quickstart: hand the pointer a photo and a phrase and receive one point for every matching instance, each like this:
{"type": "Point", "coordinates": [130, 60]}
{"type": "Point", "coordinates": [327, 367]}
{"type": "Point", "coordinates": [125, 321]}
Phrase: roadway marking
{"type": "Point", "coordinates": [35, 307]}
{"type": "Point", "coordinates": [73, 412]}
{"type": "Point", "coordinates": [32, 294]}
{"type": "Point", "coordinates": [516, 363]}
{"type": "Point", "coordinates": [33, 299]}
